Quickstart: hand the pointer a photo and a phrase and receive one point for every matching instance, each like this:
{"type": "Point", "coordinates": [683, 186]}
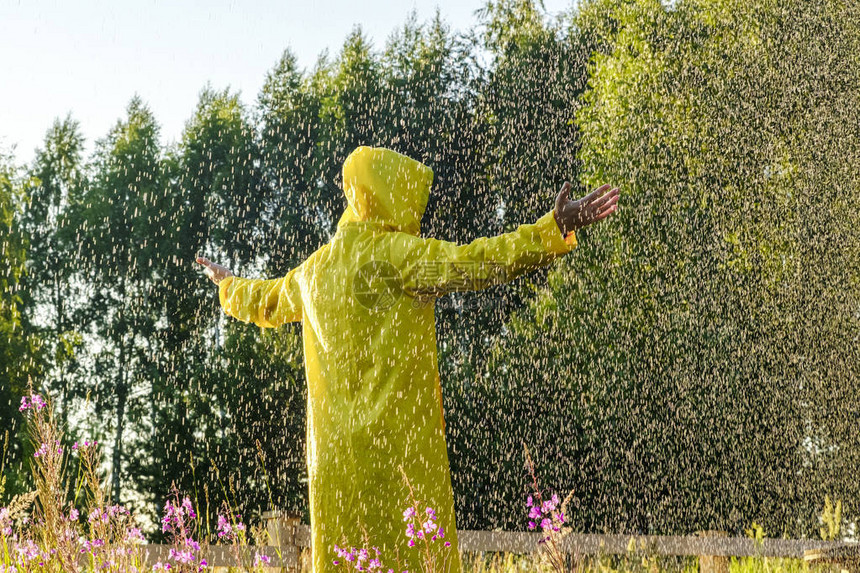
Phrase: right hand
{"type": "Point", "coordinates": [213, 270]}
{"type": "Point", "coordinates": [572, 215]}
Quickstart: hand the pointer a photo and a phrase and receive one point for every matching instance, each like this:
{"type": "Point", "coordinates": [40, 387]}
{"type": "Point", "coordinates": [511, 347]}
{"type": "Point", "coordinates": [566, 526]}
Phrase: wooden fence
{"type": "Point", "coordinates": [289, 537]}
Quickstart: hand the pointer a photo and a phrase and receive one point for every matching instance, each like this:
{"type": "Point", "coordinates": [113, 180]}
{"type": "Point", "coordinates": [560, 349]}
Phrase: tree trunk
{"type": "Point", "coordinates": [121, 396]}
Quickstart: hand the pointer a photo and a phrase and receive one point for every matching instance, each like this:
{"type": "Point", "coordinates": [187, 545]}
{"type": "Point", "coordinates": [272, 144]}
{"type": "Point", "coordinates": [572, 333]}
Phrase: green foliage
{"type": "Point", "coordinates": [682, 352]}
{"type": "Point", "coordinates": [19, 347]}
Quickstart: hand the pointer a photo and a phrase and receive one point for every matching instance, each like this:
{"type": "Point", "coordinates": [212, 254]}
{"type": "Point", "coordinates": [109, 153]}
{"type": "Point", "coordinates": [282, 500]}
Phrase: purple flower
{"type": "Point", "coordinates": [193, 544]}
{"type": "Point", "coordinates": [409, 513]}
{"type": "Point", "coordinates": [38, 402]}
{"type": "Point", "coordinates": [25, 404]}
{"type": "Point", "coordinates": [43, 449]}
{"type": "Point", "coordinates": [529, 501]}
{"type": "Point", "coordinates": [134, 534]}
{"type": "Point", "coordinates": [261, 559]}
{"type": "Point", "coordinates": [224, 527]}
{"type": "Point", "coordinates": [186, 503]}
{"type": "Point", "coordinates": [181, 556]}
{"type": "Point", "coordinates": [535, 512]}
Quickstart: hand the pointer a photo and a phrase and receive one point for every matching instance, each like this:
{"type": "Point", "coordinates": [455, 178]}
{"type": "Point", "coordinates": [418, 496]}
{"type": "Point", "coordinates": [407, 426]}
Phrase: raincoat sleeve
{"type": "Point", "coordinates": [434, 267]}
{"type": "Point", "coordinates": [266, 303]}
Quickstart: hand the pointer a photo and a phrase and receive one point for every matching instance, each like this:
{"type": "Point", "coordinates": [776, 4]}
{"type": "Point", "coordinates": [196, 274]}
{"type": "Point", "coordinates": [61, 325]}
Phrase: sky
{"type": "Point", "coordinates": [90, 57]}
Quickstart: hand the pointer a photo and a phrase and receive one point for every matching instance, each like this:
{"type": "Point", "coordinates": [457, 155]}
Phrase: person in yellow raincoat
{"type": "Point", "coordinates": [366, 302]}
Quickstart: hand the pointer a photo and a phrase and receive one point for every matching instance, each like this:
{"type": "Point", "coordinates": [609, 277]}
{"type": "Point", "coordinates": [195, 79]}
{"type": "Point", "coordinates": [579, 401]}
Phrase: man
{"type": "Point", "coordinates": [365, 300]}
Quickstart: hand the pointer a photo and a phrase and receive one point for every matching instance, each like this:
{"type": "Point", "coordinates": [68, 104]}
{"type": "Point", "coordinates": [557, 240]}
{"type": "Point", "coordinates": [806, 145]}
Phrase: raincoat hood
{"type": "Point", "coordinates": [386, 187]}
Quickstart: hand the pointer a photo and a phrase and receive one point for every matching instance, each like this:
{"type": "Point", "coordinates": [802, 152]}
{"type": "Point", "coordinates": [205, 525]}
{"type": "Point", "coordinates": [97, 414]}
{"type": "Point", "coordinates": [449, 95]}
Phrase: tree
{"type": "Point", "coordinates": [19, 349]}
{"type": "Point", "coordinates": [675, 360]}
{"type": "Point", "coordinates": [120, 220]}
{"type": "Point", "coordinates": [51, 297]}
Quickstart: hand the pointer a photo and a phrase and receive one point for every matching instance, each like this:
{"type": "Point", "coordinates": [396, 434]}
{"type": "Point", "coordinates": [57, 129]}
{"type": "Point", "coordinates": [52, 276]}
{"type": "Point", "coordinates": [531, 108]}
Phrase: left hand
{"type": "Point", "coordinates": [214, 271]}
{"type": "Point", "coordinates": [594, 207]}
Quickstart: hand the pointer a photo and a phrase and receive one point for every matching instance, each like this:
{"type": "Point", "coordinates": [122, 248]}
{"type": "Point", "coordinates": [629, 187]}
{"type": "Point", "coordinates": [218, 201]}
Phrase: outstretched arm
{"type": "Point", "coordinates": [266, 303]}
{"type": "Point", "coordinates": [433, 267]}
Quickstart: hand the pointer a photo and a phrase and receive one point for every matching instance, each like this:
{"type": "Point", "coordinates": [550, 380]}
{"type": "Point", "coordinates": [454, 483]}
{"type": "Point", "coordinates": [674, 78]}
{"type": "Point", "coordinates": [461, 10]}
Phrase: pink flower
{"type": "Point", "coordinates": [38, 402]}
{"type": "Point", "coordinates": [224, 527]}
{"type": "Point", "coordinates": [186, 504]}
{"type": "Point", "coordinates": [261, 559]}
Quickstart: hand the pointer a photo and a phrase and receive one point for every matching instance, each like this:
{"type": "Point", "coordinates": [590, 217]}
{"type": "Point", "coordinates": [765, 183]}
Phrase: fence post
{"type": "Point", "coordinates": [281, 527]}
{"type": "Point", "coordinates": [713, 563]}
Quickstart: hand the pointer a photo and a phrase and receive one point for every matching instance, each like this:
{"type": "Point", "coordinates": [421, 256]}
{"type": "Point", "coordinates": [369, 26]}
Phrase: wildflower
{"type": "Point", "coordinates": [409, 513]}
{"type": "Point", "coordinates": [25, 404]}
{"type": "Point", "coordinates": [193, 544]}
{"type": "Point", "coordinates": [186, 504]}
{"type": "Point", "coordinates": [181, 556]}
{"type": "Point", "coordinates": [38, 402]}
{"type": "Point", "coordinates": [115, 510]}
{"type": "Point", "coordinates": [43, 449]}
{"type": "Point", "coordinates": [161, 566]}
{"type": "Point", "coordinates": [224, 527]}
{"type": "Point", "coordinates": [73, 514]}
{"type": "Point", "coordinates": [261, 559]}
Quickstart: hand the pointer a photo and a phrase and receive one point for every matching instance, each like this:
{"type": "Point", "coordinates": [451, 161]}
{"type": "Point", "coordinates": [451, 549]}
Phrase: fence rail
{"type": "Point", "coordinates": [289, 538]}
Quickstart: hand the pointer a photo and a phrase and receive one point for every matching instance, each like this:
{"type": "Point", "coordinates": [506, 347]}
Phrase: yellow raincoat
{"type": "Point", "coordinates": [366, 302]}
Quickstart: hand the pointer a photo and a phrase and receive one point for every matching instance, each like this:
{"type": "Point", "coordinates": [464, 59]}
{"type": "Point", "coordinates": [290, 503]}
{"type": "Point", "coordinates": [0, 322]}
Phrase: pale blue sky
{"type": "Point", "coordinates": [89, 57]}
